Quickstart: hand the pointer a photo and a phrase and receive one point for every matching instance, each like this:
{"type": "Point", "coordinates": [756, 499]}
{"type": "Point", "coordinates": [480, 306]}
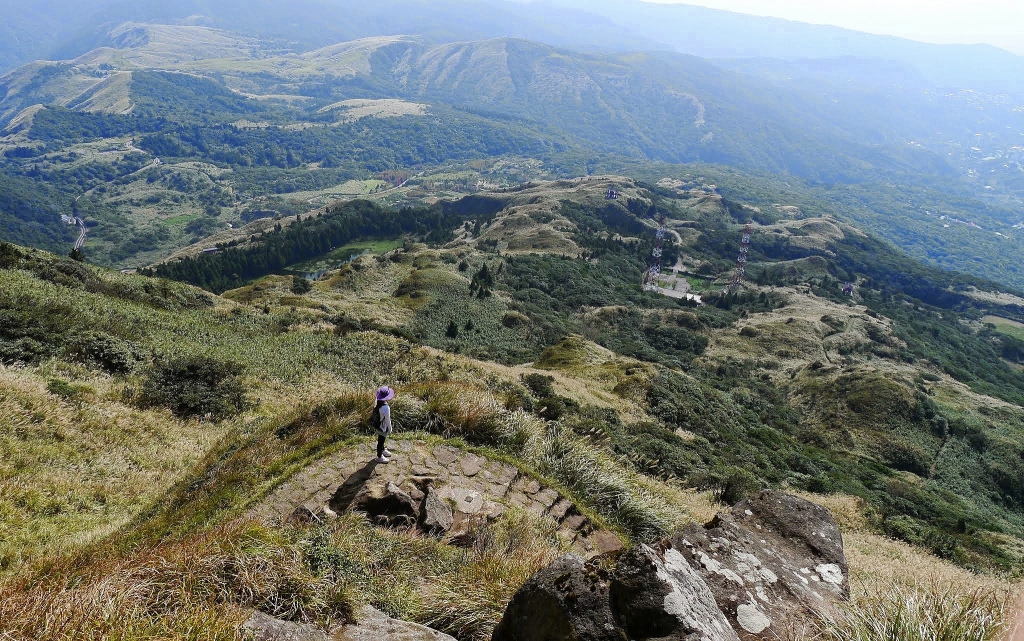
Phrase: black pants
{"type": "Point", "coordinates": [380, 444]}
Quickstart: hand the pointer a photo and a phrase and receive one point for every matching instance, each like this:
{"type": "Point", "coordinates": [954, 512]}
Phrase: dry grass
{"type": "Point", "coordinates": [924, 612]}
{"type": "Point", "coordinates": [73, 470]}
{"type": "Point", "coordinates": [469, 602]}
{"type": "Point", "coordinates": [901, 593]}
{"type": "Point", "coordinates": [204, 586]}
{"type": "Point", "coordinates": [199, 588]}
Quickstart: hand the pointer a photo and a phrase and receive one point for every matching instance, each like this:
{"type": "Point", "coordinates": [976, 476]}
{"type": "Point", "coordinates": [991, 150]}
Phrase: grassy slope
{"type": "Point", "coordinates": [310, 385]}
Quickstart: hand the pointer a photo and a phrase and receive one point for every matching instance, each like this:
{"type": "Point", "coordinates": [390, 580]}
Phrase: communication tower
{"type": "Point", "coordinates": [650, 278]}
{"type": "Point", "coordinates": [741, 260]}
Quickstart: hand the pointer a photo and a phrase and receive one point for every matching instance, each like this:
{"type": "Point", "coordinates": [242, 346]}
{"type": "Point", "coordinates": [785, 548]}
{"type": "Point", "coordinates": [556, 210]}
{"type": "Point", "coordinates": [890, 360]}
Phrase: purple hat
{"type": "Point", "coordinates": [385, 394]}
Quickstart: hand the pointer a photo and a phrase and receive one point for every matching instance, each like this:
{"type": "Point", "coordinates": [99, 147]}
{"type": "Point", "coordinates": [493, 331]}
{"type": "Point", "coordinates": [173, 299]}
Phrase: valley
{"type": "Point", "coordinates": [245, 130]}
{"type": "Point", "coordinates": [225, 232]}
{"type": "Point", "coordinates": [680, 406]}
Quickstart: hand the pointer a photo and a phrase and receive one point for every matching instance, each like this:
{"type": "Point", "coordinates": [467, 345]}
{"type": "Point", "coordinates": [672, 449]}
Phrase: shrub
{"type": "Point", "coordinates": [728, 484]}
{"type": "Point", "coordinates": [196, 386]}
{"type": "Point", "coordinates": [63, 389]}
{"type": "Point", "coordinates": [10, 255]}
{"type": "Point", "coordinates": [301, 285]}
{"type": "Point", "coordinates": [907, 457]}
{"type": "Point", "coordinates": [113, 354]}
{"type": "Point", "coordinates": [344, 324]}
{"type": "Point", "coordinates": [453, 330]}
{"type": "Point", "coordinates": [540, 384]}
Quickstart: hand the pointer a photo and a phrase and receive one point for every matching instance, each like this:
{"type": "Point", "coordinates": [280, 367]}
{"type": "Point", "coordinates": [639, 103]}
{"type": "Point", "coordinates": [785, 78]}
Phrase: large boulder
{"type": "Point", "coordinates": [566, 600]}
{"type": "Point", "coordinates": [386, 504]}
{"type": "Point", "coordinates": [655, 594]}
{"type": "Point", "coordinates": [758, 571]}
{"type": "Point", "coordinates": [772, 562]}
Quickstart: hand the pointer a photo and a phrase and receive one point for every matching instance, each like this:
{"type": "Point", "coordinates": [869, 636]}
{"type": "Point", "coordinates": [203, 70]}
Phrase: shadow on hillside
{"type": "Point", "coordinates": [348, 490]}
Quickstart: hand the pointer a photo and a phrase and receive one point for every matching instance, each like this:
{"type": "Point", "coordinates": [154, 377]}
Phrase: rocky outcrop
{"type": "Point", "coordinates": [474, 489]}
{"type": "Point", "coordinates": [386, 504]}
{"type": "Point", "coordinates": [372, 625]}
{"type": "Point", "coordinates": [759, 570]}
{"type": "Point", "coordinates": [436, 515]}
{"type": "Point", "coordinates": [656, 594]}
{"type": "Point", "coordinates": [566, 600]}
{"type": "Point", "coordinates": [771, 561]}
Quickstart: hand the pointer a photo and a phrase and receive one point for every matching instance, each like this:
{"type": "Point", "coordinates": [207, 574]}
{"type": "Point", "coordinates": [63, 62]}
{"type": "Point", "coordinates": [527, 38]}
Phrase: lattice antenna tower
{"type": "Point", "coordinates": [650, 279]}
{"type": "Point", "coordinates": [741, 260]}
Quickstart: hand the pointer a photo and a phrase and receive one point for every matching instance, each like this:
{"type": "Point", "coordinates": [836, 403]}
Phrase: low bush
{"type": "Point", "coordinates": [112, 354]}
{"type": "Point", "coordinates": [196, 386]}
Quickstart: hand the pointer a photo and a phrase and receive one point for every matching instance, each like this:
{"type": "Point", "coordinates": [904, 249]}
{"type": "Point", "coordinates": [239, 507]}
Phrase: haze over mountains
{"type": "Point", "coordinates": [33, 31]}
{"type": "Point", "coordinates": [845, 126]}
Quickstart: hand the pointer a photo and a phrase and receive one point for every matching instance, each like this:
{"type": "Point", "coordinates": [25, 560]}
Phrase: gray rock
{"type": "Point", "coordinates": [771, 561]}
{"type": "Point", "coordinates": [386, 504]}
{"type": "Point", "coordinates": [655, 594]}
{"type": "Point", "coordinates": [374, 625]}
{"type": "Point", "coordinates": [568, 600]}
{"type": "Point", "coordinates": [263, 627]}
{"type": "Point", "coordinates": [466, 500]}
{"type": "Point", "coordinates": [436, 515]}
{"type": "Point", "coordinates": [756, 572]}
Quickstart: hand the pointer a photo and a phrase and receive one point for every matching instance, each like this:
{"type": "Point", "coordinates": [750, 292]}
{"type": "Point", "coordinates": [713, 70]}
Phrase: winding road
{"type": "Point", "coordinates": [81, 236]}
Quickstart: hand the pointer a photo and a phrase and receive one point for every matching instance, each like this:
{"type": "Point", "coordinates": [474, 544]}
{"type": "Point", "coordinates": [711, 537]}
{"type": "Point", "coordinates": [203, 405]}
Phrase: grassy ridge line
{"type": "Point", "coordinates": [316, 236]}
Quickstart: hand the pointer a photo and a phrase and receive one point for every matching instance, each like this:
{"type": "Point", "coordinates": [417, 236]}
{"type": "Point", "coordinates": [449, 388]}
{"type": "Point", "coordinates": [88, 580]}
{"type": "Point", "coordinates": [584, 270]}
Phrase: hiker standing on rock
{"type": "Point", "coordinates": [381, 421]}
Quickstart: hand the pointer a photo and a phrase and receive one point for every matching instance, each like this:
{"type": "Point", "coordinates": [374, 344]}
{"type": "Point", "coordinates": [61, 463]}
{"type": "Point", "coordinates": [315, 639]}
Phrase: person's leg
{"type": "Point", "coordinates": [380, 444]}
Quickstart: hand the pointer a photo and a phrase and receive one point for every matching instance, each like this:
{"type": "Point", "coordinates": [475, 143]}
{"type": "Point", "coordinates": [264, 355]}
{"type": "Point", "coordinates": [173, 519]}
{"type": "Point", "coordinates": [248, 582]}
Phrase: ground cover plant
{"type": "Point", "coordinates": [647, 411]}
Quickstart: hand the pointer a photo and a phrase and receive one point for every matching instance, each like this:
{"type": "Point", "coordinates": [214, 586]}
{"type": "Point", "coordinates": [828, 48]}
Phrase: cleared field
{"type": "Point", "coordinates": [343, 255]}
{"type": "Point", "coordinates": [1006, 326]}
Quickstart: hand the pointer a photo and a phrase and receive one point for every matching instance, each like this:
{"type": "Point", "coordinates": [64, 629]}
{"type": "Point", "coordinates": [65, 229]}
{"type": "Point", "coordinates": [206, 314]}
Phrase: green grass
{"type": "Point", "coordinates": [335, 258]}
{"type": "Point", "coordinates": [180, 220]}
{"type": "Point", "coordinates": [1006, 326]}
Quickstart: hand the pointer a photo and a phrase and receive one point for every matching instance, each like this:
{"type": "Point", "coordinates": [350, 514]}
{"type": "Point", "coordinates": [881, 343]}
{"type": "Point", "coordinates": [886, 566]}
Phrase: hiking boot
{"type": "Point", "coordinates": [388, 453]}
{"type": "Point", "coordinates": [382, 459]}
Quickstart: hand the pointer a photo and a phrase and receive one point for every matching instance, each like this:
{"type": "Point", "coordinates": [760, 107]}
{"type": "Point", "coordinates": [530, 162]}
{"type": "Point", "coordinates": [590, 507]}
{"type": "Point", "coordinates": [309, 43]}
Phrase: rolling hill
{"type": "Point", "coordinates": [515, 329]}
{"type": "Point", "coordinates": [218, 106]}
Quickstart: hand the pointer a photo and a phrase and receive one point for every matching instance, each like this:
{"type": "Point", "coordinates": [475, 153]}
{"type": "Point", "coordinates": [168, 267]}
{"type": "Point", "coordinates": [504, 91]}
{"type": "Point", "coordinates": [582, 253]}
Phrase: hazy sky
{"type": "Point", "coordinates": [997, 22]}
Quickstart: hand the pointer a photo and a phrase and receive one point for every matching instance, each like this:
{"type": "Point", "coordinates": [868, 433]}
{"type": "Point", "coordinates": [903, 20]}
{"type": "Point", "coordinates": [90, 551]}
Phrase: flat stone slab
{"type": "Point", "coordinates": [263, 627]}
{"type": "Point", "coordinates": [463, 500]}
{"type": "Point", "coordinates": [372, 625]}
{"type": "Point", "coordinates": [472, 464]}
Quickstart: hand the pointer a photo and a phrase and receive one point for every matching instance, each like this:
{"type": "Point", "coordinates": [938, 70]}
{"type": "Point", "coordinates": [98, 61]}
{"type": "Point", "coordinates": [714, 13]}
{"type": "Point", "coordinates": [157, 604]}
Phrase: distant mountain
{"type": "Point", "coordinates": [712, 33]}
{"type": "Point", "coordinates": [659, 106]}
{"type": "Point", "coordinates": [60, 29]}
{"type": "Point", "coordinates": [872, 137]}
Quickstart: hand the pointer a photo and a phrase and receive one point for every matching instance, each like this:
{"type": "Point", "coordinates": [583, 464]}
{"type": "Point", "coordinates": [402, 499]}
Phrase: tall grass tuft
{"type": "Point", "coordinates": [892, 611]}
{"type": "Point", "coordinates": [468, 602]}
{"type": "Point", "coordinates": [198, 588]}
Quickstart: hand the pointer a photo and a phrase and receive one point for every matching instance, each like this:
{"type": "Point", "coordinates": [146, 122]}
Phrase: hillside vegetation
{"type": "Point", "coordinates": [244, 130]}
{"type": "Point", "coordinates": [512, 324]}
